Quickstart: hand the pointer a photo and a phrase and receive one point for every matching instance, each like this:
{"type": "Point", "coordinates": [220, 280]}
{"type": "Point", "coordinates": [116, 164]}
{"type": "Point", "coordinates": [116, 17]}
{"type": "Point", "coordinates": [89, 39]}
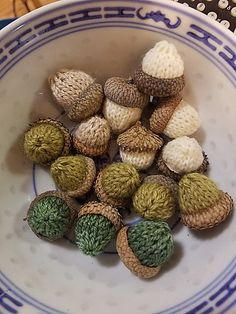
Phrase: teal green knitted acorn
{"type": "Point", "coordinates": [96, 227]}
{"type": "Point", "coordinates": [151, 242]}
{"type": "Point", "coordinates": [145, 247]}
{"type": "Point", "coordinates": [50, 215]}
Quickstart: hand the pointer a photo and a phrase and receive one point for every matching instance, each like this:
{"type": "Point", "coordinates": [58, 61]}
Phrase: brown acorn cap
{"type": "Point", "coordinates": [100, 208]}
{"type": "Point", "coordinates": [163, 180]}
{"type": "Point", "coordinates": [124, 92]}
{"type": "Point", "coordinates": [139, 139]}
{"type": "Point", "coordinates": [89, 150]}
{"type": "Point", "coordinates": [72, 204]}
{"type": "Point", "coordinates": [156, 86]}
{"type": "Point", "coordinates": [101, 194]}
{"type": "Point", "coordinates": [163, 169]}
{"type": "Point", "coordinates": [62, 128]}
{"type": "Point", "coordinates": [130, 260]}
{"type": "Point", "coordinates": [88, 103]}
{"type": "Point", "coordinates": [162, 114]}
{"type": "Point", "coordinates": [88, 182]}
{"type": "Point", "coordinates": [210, 217]}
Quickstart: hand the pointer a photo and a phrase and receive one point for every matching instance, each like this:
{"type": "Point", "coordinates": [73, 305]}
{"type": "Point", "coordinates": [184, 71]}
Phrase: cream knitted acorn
{"type": "Point", "coordinates": [180, 156]}
{"type": "Point", "coordinates": [124, 103]}
{"type": "Point", "coordinates": [46, 140]}
{"type": "Point", "coordinates": [116, 183]}
{"type": "Point", "coordinates": [138, 146]}
{"type": "Point", "coordinates": [77, 93]}
{"type": "Point", "coordinates": [74, 174]}
{"type": "Point", "coordinates": [174, 117]}
{"type": "Point", "coordinates": [202, 204]}
{"type": "Point", "coordinates": [162, 71]}
{"type": "Point", "coordinates": [92, 136]}
{"type": "Point", "coordinates": [145, 247]}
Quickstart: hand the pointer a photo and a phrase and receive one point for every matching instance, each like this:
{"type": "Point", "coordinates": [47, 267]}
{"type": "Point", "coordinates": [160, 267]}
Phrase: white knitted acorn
{"type": "Point", "coordinates": [91, 137]}
{"type": "Point", "coordinates": [77, 93]}
{"type": "Point", "coordinates": [180, 156]}
{"type": "Point", "coordinates": [138, 146]}
{"type": "Point", "coordinates": [174, 117]}
{"type": "Point", "coordinates": [161, 73]}
{"type": "Point", "coordinates": [123, 105]}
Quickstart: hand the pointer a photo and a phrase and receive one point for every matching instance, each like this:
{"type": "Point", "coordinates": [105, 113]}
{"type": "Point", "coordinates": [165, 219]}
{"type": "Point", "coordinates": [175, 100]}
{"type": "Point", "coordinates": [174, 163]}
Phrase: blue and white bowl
{"type": "Point", "coordinates": [107, 38]}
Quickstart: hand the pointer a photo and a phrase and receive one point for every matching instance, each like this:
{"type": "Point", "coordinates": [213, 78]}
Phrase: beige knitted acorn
{"type": "Point", "coordinates": [161, 73]}
{"type": "Point", "coordinates": [180, 156]}
{"type": "Point", "coordinates": [138, 146]}
{"type": "Point", "coordinates": [202, 204]}
{"type": "Point", "coordinates": [174, 117]}
{"type": "Point", "coordinates": [74, 174]}
{"type": "Point", "coordinates": [77, 93]}
{"type": "Point", "coordinates": [92, 136]}
{"type": "Point", "coordinates": [124, 103]}
{"type": "Point", "coordinates": [45, 140]}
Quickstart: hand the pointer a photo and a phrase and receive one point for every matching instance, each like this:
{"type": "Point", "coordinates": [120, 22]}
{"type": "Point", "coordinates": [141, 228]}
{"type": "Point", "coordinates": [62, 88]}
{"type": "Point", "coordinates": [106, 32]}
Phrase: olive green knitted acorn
{"type": "Point", "coordinates": [154, 201]}
{"type": "Point", "coordinates": [74, 174]}
{"type": "Point", "coordinates": [96, 226]}
{"type": "Point", "coordinates": [116, 183]}
{"type": "Point", "coordinates": [202, 204]}
{"type": "Point", "coordinates": [145, 247]}
{"type": "Point", "coordinates": [46, 140]}
{"type": "Point", "coordinates": [51, 215]}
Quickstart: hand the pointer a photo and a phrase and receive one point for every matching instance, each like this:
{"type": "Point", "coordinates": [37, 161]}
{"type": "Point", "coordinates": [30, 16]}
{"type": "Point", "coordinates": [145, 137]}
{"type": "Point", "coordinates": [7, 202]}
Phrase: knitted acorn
{"type": "Point", "coordinates": [145, 247]}
{"type": "Point", "coordinates": [124, 103]}
{"type": "Point", "coordinates": [96, 226]}
{"type": "Point", "coordinates": [154, 201]}
{"type": "Point", "coordinates": [162, 71]}
{"type": "Point", "coordinates": [138, 146]}
{"type": "Point", "coordinates": [46, 140]}
{"type": "Point", "coordinates": [74, 174]}
{"type": "Point", "coordinates": [77, 93]}
{"type": "Point", "coordinates": [180, 156]}
{"type": "Point", "coordinates": [92, 136]}
{"type": "Point", "coordinates": [116, 183]}
{"type": "Point", "coordinates": [174, 117]}
{"type": "Point", "coordinates": [165, 181]}
{"type": "Point", "coordinates": [51, 215]}
{"type": "Point", "coordinates": [202, 204]}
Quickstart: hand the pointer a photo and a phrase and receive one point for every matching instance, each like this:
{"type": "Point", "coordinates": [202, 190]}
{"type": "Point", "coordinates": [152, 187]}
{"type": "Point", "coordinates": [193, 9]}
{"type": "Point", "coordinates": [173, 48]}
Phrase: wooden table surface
{"type": "Point", "coordinates": [6, 7]}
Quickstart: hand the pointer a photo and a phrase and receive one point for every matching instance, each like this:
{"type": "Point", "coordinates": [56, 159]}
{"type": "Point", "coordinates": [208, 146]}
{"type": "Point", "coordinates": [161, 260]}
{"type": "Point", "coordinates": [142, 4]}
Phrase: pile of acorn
{"type": "Point", "coordinates": [146, 119]}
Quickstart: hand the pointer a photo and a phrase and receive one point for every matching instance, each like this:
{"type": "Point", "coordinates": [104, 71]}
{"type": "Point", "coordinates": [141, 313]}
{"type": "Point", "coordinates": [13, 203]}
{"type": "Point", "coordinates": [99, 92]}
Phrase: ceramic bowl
{"type": "Point", "coordinates": [107, 38]}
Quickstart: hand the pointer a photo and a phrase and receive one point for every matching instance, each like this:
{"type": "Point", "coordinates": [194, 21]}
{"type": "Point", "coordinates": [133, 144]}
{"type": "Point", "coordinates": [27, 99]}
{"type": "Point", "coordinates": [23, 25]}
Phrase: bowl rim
{"type": "Point", "coordinates": [58, 5]}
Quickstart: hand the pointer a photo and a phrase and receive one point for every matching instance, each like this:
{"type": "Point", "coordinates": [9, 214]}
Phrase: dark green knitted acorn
{"type": "Point", "coordinates": [145, 247]}
{"type": "Point", "coordinates": [51, 215]}
{"type": "Point", "coordinates": [96, 226]}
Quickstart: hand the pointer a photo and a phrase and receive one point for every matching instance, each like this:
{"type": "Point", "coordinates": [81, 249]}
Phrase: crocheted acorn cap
{"type": "Point", "coordinates": [74, 174]}
{"type": "Point", "coordinates": [139, 139]}
{"type": "Point", "coordinates": [202, 204]}
{"type": "Point", "coordinates": [162, 71]}
{"type": "Point", "coordinates": [46, 140]}
{"type": "Point", "coordinates": [162, 114]}
{"type": "Point", "coordinates": [163, 180]}
{"type": "Point", "coordinates": [154, 201]}
{"type": "Point", "coordinates": [88, 104]}
{"type": "Point", "coordinates": [96, 226]}
{"type": "Point", "coordinates": [116, 183]}
{"type": "Point", "coordinates": [92, 136]}
{"type": "Point", "coordinates": [51, 215]}
{"type": "Point", "coordinates": [145, 247]}
{"type": "Point", "coordinates": [120, 118]}
{"type": "Point", "coordinates": [67, 85]}
{"type": "Point", "coordinates": [182, 155]}
{"type": "Point", "coordinates": [124, 92]}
